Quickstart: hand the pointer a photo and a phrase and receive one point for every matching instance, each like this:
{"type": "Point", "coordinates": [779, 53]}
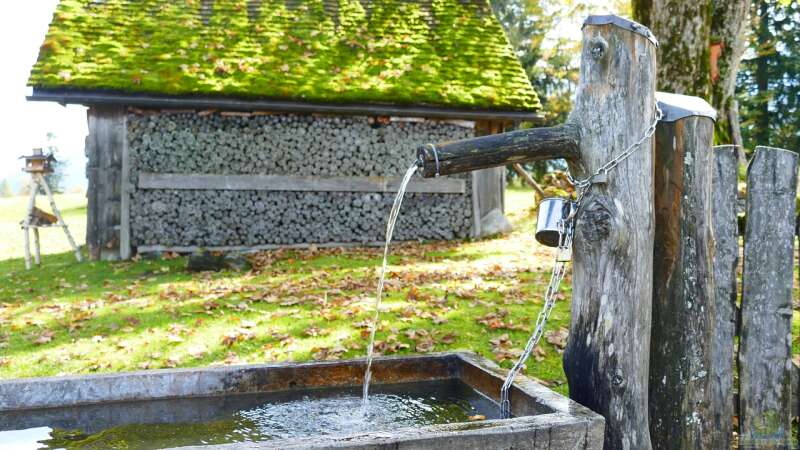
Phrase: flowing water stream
{"type": "Point", "coordinates": [398, 200]}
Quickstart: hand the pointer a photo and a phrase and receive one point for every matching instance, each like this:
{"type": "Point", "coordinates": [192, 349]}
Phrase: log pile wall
{"type": "Point", "coordinates": [189, 143]}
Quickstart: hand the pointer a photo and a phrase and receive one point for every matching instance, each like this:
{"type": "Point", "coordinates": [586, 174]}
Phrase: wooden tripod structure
{"type": "Point", "coordinates": [38, 165]}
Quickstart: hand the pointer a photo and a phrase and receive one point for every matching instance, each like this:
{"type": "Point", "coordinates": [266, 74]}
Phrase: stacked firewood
{"type": "Point", "coordinates": [189, 143]}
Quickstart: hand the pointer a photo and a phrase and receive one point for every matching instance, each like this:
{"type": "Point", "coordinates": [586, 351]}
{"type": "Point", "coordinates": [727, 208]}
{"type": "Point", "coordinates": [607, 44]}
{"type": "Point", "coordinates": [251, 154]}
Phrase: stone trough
{"type": "Point", "coordinates": [542, 418]}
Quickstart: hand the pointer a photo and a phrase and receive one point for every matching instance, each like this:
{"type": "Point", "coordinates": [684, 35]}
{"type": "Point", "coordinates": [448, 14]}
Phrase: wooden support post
{"type": "Point", "coordinates": [606, 359]}
{"type": "Point", "coordinates": [37, 255]}
{"type": "Point", "coordinates": [26, 231]}
{"type": "Point", "coordinates": [726, 260]}
{"type": "Point", "coordinates": [104, 148]}
{"type": "Point", "coordinates": [681, 414]}
{"type": "Point", "coordinates": [528, 179]}
{"type": "Point", "coordinates": [57, 213]}
{"type": "Point", "coordinates": [765, 351]}
{"type": "Point", "coordinates": [27, 221]}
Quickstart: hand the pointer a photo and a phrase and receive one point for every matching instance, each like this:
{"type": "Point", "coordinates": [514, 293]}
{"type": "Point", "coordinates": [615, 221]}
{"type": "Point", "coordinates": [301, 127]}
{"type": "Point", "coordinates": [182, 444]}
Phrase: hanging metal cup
{"type": "Point", "coordinates": [551, 211]}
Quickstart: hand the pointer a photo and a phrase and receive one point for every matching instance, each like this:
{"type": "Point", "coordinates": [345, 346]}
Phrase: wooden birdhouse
{"type": "Point", "coordinates": [38, 162]}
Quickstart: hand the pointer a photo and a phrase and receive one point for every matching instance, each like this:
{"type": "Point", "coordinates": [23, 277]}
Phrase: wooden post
{"type": "Point", "coordinates": [37, 255]}
{"type": "Point", "coordinates": [683, 288]}
{"type": "Point", "coordinates": [57, 213]}
{"type": "Point", "coordinates": [104, 147]}
{"type": "Point", "coordinates": [125, 195]}
{"type": "Point", "coordinates": [765, 351]}
{"type": "Point", "coordinates": [726, 260]}
{"type": "Point", "coordinates": [26, 223]}
{"type": "Point", "coordinates": [606, 359]}
{"type": "Point", "coordinates": [528, 179]}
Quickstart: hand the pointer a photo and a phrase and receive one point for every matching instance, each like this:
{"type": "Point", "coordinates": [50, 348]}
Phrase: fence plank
{"type": "Point", "coordinates": [683, 288]}
{"type": "Point", "coordinates": [726, 260]}
{"type": "Point", "coordinates": [765, 345]}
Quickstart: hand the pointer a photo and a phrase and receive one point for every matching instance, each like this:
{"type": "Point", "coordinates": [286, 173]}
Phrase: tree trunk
{"type": "Point", "coordinates": [728, 24]}
{"type": "Point", "coordinates": [687, 30]}
{"type": "Point", "coordinates": [683, 29]}
{"type": "Point", "coordinates": [683, 288]}
{"type": "Point", "coordinates": [606, 360]}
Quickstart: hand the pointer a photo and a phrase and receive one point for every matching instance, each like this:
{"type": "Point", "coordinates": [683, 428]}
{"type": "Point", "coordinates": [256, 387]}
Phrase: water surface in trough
{"type": "Point", "coordinates": [245, 418]}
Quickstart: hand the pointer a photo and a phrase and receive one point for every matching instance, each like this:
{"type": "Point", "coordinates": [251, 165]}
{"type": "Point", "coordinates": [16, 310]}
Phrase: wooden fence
{"type": "Point", "coordinates": [768, 383]}
{"type": "Point", "coordinates": [698, 314]}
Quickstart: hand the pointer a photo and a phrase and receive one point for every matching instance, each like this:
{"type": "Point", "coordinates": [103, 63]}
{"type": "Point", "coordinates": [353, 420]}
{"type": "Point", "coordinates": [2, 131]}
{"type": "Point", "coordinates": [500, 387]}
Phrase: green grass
{"type": "Point", "coordinates": [13, 210]}
{"type": "Point", "coordinates": [70, 318]}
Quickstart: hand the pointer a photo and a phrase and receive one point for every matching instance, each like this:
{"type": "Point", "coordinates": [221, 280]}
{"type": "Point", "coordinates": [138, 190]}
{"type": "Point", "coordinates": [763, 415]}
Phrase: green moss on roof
{"type": "Point", "coordinates": [437, 52]}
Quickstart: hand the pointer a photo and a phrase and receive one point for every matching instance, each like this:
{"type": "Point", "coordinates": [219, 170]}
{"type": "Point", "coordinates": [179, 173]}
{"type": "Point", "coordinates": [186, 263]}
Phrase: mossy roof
{"type": "Point", "coordinates": [450, 53]}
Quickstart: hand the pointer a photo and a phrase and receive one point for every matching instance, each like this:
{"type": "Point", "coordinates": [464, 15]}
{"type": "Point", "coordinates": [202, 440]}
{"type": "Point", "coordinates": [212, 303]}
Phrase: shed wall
{"type": "Point", "coordinates": [282, 144]}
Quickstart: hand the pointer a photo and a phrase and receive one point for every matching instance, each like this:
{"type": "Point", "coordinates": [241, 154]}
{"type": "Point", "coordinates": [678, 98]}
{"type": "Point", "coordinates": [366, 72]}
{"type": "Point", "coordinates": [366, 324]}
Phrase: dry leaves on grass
{"type": "Point", "coordinates": [44, 337]}
{"type": "Point", "coordinates": [558, 338]}
{"type": "Point", "coordinates": [316, 332]}
{"type": "Point", "coordinates": [198, 351]}
{"type": "Point", "coordinates": [498, 320]}
{"type": "Point", "coordinates": [325, 353]}
{"type": "Point", "coordinates": [237, 335]}
{"type": "Point", "coordinates": [502, 348]}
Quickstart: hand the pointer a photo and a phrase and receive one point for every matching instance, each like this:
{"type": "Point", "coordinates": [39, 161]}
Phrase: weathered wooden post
{"type": "Point", "coordinates": [765, 348]}
{"type": "Point", "coordinates": [606, 360]}
{"type": "Point", "coordinates": [726, 260]}
{"type": "Point", "coordinates": [683, 288]}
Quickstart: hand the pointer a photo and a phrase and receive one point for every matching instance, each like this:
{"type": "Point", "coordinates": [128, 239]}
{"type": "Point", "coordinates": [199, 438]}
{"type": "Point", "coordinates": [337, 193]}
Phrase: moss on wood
{"type": "Point", "coordinates": [438, 52]}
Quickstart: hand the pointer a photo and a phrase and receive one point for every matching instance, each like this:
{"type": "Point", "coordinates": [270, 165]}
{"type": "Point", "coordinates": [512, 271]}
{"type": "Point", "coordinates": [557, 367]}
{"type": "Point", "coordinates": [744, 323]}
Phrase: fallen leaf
{"type": "Point", "coordinates": [45, 337]}
{"type": "Point", "coordinates": [476, 417]}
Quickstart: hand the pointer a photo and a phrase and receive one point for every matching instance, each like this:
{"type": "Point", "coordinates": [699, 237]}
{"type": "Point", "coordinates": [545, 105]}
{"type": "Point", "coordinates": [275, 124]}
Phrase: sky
{"type": "Point", "coordinates": [23, 124]}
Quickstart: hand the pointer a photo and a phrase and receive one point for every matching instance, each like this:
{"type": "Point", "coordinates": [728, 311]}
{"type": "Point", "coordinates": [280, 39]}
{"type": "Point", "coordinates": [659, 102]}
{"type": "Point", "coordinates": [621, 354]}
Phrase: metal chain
{"type": "Point", "coordinates": [584, 183]}
{"type": "Point", "coordinates": [566, 230]}
{"type": "Point", "coordinates": [559, 269]}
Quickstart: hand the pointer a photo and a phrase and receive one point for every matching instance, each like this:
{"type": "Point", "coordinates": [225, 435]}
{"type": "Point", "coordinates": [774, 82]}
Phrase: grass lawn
{"type": "Point", "coordinates": [67, 318]}
{"type": "Point", "coordinates": [13, 210]}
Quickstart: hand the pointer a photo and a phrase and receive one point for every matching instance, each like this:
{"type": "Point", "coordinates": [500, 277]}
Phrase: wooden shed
{"type": "Point", "coordinates": [233, 124]}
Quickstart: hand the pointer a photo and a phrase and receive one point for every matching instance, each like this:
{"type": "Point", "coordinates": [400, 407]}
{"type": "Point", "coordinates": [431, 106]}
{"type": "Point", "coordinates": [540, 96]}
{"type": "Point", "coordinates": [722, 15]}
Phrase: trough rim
{"type": "Point", "coordinates": [562, 414]}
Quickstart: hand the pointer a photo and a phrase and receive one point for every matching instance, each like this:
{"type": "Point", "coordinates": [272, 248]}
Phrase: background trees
{"type": "Point", "coordinates": [743, 56]}
{"type": "Point", "coordinates": [768, 85]}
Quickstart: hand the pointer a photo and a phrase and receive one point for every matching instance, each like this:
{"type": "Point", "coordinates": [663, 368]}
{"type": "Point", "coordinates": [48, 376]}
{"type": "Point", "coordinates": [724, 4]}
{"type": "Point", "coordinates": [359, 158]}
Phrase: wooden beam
{"type": "Point", "coordinates": [296, 183]}
{"type": "Point", "coordinates": [528, 179]}
{"type": "Point", "coordinates": [606, 359]}
{"type": "Point", "coordinates": [765, 350]}
{"type": "Point", "coordinates": [683, 287]}
{"type": "Point", "coordinates": [521, 146]}
{"type": "Point", "coordinates": [255, 248]}
{"type": "Point", "coordinates": [726, 261]}
{"type": "Point", "coordinates": [95, 98]}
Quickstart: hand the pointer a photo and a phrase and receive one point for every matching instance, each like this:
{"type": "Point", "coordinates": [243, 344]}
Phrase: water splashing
{"type": "Point", "coordinates": [398, 200]}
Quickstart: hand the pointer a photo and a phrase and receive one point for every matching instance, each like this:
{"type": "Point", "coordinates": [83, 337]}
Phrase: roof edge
{"type": "Point", "coordinates": [96, 98]}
